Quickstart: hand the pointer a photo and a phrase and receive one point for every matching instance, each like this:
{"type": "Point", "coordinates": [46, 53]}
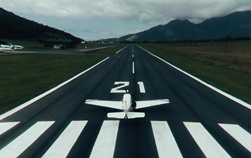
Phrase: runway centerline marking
{"type": "Point", "coordinates": [62, 146]}
{"type": "Point", "coordinates": [239, 134]}
{"type": "Point", "coordinates": [133, 68]}
{"type": "Point", "coordinates": [5, 126]}
{"type": "Point", "coordinates": [166, 144]}
{"type": "Point", "coordinates": [106, 141]}
{"type": "Point", "coordinates": [205, 141]}
{"type": "Point", "coordinates": [22, 142]}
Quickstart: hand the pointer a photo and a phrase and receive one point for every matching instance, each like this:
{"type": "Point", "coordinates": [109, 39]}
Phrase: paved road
{"type": "Point", "coordinates": [199, 122]}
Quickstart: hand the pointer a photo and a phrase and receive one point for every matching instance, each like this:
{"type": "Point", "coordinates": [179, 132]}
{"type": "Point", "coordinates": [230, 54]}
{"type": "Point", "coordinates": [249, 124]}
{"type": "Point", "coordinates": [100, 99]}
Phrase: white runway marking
{"type": "Point", "coordinates": [205, 141]}
{"type": "Point", "coordinates": [22, 142]}
{"type": "Point", "coordinates": [239, 134]}
{"type": "Point", "coordinates": [24, 105]}
{"type": "Point", "coordinates": [142, 87]}
{"type": "Point", "coordinates": [166, 144]}
{"type": "Point", "coordinates": [62, 146]}
{"type": "Point", "coordinates": [105, 144]}
{"type": "Point", "coordinates": [132, 55]}
{"type": "Point", "coordinates": [204, 83]}
{"type": "Point", "coordinates": [5, 126]}
{"type": "Point", "coordinates": [133, 68]}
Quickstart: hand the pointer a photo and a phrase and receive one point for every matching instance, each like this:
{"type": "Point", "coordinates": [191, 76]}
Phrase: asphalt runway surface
{"type": "Point", "coordinates": [198, 122]}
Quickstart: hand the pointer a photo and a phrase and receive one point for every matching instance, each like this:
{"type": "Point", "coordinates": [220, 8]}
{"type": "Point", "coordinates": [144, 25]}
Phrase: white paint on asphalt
{"type": "Point", "coordinates": [62, 146]}
{"type": "Point", "coordinates": [133, 68]}
{"type": "Point", "coordinates": [121, 49]}
{"type": "Point", "coordinates": [105, 144]}
{"type": "Point", "coordinates": [120, 87]}
{"type": "Point", "coordinates": [22, 106]}
{"type": "Point", "coordinates": [132, 55]}
{"type": "Point", "coordinates": [205, 141]}
{"type": "Point", "coordinates": [5, 126]}
{"type": "Point", "coordinates": [239, 134]}
{"type": "Point", "coordinates": [142, 87]}
{"type": "Point", "coordinates": [166, 144]}
{"type": "Point", "coordinates": [204, 83]}
{"type": "Point", "coordinates": [22, 142]}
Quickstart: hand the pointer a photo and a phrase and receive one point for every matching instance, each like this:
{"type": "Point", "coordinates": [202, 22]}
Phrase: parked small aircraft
{"type": "Point", "coordinates": [127, 105]}
{"type": "Point", "coordinates": [5, 47]}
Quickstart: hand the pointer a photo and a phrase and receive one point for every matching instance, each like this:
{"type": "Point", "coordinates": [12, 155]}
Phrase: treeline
{"type": "Point", "coordinates": [16, 28]}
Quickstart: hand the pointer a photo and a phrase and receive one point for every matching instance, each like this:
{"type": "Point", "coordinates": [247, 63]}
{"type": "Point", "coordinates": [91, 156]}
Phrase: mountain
{"type": "Point", "coordinates": [235, 25]}
{"type": "Point", "coordinates": [16, 27]}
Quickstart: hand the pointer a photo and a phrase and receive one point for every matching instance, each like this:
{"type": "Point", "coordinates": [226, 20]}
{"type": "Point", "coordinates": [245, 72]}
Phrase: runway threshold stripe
{"type": "Point", "coordinates": [5, 126]}
{"type": "Point", "coordinates": [106, 140]}
{"type": "Point", "coordinates": [239, 134]}
{"type": "Point", "coordinates": [205, 141]}
{"type": "Point", "coordinates": [62, 146]}
{"type": "Point", "coordinates": [22, 142]}
{"type": "Point", "coordinates": [166, 144]}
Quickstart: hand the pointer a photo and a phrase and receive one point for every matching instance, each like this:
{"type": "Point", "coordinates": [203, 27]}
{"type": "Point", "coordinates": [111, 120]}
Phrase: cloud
{"type": "Point", "coordinates": [135, 10]}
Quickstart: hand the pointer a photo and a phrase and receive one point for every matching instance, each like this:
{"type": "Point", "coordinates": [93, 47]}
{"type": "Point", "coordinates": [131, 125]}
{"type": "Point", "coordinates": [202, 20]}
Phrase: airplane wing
{"type": "Point", "coordinates": [150, 103]}
{"type": "Point", "coordinates": [105, 103]}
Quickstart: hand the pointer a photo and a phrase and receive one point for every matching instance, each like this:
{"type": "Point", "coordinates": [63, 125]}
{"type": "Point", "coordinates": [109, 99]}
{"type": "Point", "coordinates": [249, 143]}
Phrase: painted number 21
{"type": "Point", "coordinates": [121, 86]}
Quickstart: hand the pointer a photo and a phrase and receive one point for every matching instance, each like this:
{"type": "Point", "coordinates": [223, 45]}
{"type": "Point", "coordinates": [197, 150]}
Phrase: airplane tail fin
{"type": "Point", "coordinates": [122, 115]}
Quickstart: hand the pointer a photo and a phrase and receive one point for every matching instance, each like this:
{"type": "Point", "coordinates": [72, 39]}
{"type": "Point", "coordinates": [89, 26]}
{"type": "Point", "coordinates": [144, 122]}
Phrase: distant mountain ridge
{"type": "Point", "coordinates": [234, 25]}
{"type": "Point", "coordinates": [16, 27]}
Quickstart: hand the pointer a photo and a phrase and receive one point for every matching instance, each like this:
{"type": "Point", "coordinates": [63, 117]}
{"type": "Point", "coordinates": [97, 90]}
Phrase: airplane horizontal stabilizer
{"type": "Point", "coordinates": [118, 115]}
{"type": "Point", "coordinates": [132, 115]}
{"type": "Point", "coordinates": [122, 115]}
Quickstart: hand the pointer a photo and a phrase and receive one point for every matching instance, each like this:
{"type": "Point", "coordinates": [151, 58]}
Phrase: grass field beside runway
{"type": "Point", "coordinates": [225, 65]}
{"type": "Point", "coordinates": [25, 76]}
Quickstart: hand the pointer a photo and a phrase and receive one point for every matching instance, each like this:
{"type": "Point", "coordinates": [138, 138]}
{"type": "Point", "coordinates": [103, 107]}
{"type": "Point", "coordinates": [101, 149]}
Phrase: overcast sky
{"type": "Point", "coordinates": [97, 19]}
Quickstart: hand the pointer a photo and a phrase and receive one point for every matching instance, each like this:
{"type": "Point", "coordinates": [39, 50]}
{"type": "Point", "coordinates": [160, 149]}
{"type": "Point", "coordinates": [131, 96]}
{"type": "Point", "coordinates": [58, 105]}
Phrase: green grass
{"type": "Point", "coordinates": [25, 76]}
{"type": "Point", "coordinates": [213, 63]}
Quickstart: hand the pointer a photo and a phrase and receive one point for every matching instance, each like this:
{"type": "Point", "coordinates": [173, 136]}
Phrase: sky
{"type": "Point", "coordinates": [100, 19]}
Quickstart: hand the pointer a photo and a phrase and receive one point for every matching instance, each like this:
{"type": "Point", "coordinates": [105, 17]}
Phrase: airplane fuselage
{"type": "Point", "coordinates": [9, 47]}
{"type": "Point", "coordinates": [127, 102]}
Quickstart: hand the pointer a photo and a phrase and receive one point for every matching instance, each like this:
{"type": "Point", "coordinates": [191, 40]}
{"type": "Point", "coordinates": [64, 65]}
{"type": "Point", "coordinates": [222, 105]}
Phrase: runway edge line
{"type": "Point", "coordinates": [22, 106]}
{"type": "Point", "coordinates": [204, 83]}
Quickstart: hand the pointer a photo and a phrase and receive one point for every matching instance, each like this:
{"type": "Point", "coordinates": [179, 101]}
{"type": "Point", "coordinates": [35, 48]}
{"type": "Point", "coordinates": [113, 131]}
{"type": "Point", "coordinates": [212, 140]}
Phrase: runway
{"type": "Point", "coordinates": [200, 121]}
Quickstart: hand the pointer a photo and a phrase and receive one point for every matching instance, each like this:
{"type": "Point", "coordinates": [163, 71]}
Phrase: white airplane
{"type": "Point", "coordinates": [16, 47]}
{"type": "Point", "coordinates": [6, 47]}
{"type": "Point", "coordinates": [127, 106]}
